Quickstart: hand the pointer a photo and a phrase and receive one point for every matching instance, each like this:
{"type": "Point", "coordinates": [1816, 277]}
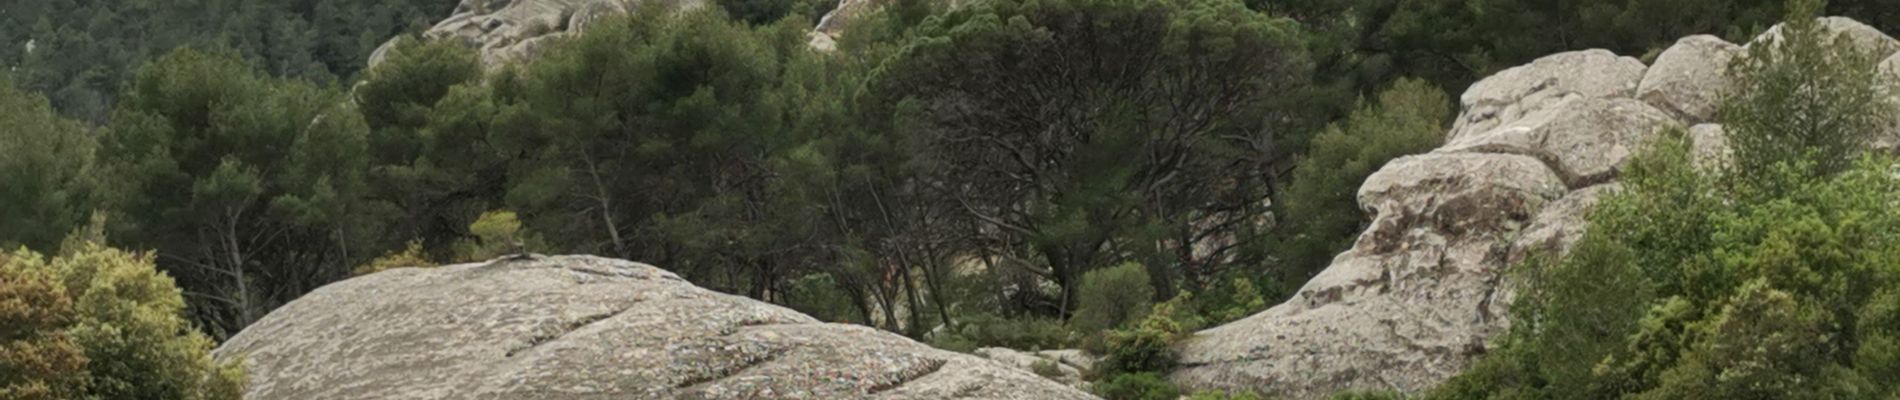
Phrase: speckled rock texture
{"type": "Point", "coordinates": [1422, 292]}
{"type": "Point", "coordinates": [578, 327]}
{"type": "Point", "coordinates": [1066, 366]}
{"type": "Point", "coordinates": [508, 30]}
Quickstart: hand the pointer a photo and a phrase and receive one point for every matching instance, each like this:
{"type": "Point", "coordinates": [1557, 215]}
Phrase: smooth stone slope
{"type": "Point", "coordinates": [578, 327]}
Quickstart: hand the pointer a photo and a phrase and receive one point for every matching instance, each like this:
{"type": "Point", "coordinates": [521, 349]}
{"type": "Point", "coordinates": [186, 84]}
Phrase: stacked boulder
{"type": "Point", "coordinates": [1422, 292]}
{"type": "Point", "coordinates": [505, 31]}
{"type": "Point", "coordinates": [576, 327]}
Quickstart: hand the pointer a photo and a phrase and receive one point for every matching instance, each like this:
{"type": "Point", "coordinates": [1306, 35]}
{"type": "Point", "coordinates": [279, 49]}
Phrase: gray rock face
{"type": "Point", "coordinates": [576, 327]}
{"type": "Point", "coordinates": [1711, 145]}
{"type": "Point", "coordinates": [1584, 139]}
{"type": "Point", "coordinates": [1689, 79]}
{"type": "Point", "coordinates": [508, 30]}
{"type": "Point", "coordinates": [1858, 34]}
{"type": "Point", "coordinates": [1420, 294]}
{"type": "Point", "coordinates": [1408, 304]}
{"type": "Point", "coordinates": [1526, 89]}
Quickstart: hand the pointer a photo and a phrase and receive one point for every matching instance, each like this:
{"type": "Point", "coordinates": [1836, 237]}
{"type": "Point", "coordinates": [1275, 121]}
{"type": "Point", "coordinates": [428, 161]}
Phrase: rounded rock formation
{"type": "Point", "coordinates": [576, 327]}
{"type": "Point", "coordinates": [1420, 295]}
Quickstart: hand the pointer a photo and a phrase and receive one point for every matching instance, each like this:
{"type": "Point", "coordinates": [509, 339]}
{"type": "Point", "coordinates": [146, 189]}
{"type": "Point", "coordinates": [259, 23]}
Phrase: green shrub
{"type": "Point", "coordinates": [127, 322]}
{"type": "Point", "coordinates": [497, 233]}
{"type": "Point", "coordinates": [37, 352]}
{"type": "Point", "coordinates": [1810, 97]}
{"type": "Point", "coordinates": [988, 330]}
{"type": "Point", "coordinates": [1237, 298]}
{"type": "Point", "coordinates": [1141, 386]}
{"type": "Point", "coordinates": [1368, 395]}
{"type": "Point", "coordinates": [411, 256]}
{"type": "Point", "coordinates": [1321, 214]}
{"type": "Point", "coordinates": [1211, 395]}
{"type": "Point", "coordinates": [1148, 346]}
{"type": "Point", "coordinates": [1111, 297]}
{"type": "Point", "coordinates": [818, 295]}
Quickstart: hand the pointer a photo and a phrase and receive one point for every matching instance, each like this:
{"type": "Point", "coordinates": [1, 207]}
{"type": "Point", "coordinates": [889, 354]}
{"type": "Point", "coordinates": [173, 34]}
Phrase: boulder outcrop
{"type": "Point", "coordinates": [1421, 293]}
{"type": "Point", "coordinates": [1690, 78]}
{"type": "Point", "coordinates": [507, 30]}
{"type": "Point", "coordinates": [576, 327]}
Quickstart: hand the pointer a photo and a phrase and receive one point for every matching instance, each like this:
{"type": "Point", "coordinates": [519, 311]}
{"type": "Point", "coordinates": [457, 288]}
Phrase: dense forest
{"type": "Point", "coordinates": [1104, 174]}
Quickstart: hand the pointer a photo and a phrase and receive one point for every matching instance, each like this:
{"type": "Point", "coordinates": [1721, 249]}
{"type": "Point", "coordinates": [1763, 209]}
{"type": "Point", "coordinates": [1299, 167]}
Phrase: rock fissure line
{"type": "Point", "coordinates": [565, 329]}
{"type": "Point", "coordinates": [930, 367]}
{"type": "Point", "coordinates": [693, 383]}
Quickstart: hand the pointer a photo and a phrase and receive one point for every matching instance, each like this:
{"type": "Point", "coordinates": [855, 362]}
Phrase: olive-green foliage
{"type": "Point", "coordinates": [819, 296]}
{"type": "Point", "coordinates": [1062, 125]}
{"type": "Point", "coordinates": [1319, 219]}
{"type": "Point", "coordinates": [1234, 298]}
{"type": "Point", "coordinates": [1214, 395]}
{"type": "Point", "coordinates": [128, 321]}
{"type": "Point", "coordinates": [1148, 346]}
{"type": "Point", "coordinates": [411, 256]}
{"type": "Point", "coordinates": [252, 187]}
{"type": "Point", "coordinates": [761, 12]}
{"type": "Point", "coordinates": [1368, 395]}
{"type": "Point", "coordinates": [497, 233]}
{"type": "Point", "coordinates": [637, 124]}
{"type": "Point", "coordinates": [434, 155]}
{"type": "Point", "coordinates": [396, 97]}
{"type": "Point", "coordinates": [43, 159]}
{"type": "Point", "coordinates": [1138, 386]}
{"type": "Point", "coordinates": [1111, 297]}
{"type": "Point", "coordinates": [83, 51]}
{"type": "Point", "coordinates": [37, 352]}
{"type": "Point", "coordinates": [1807, 96]}
{"type": "Point", "coordinates": [986, 330]}
{"type": "Point", "coordinates": [1695, 285]}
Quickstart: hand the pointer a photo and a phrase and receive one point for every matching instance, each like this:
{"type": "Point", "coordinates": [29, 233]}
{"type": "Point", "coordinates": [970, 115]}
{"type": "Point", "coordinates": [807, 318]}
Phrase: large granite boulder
{"type": "Point", "coordinates": [508, 30]}
{"type": "Point", "coordinates": [1517, 92]}
{"type": "Point", "coordinates": [1584, 139]}
{"type": "Point", "coordinates": [1408, 305]}
{"type": "Point", "coordinates": [575, 327]}
{"type": "Point", "coordinates": [1421, 294]}
{"type": "Point", "coordinates": [1690, 78]}
{"type": "Point", "coordinates": [1867, 38]}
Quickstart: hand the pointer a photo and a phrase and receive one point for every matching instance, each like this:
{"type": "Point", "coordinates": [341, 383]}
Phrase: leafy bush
{"type": "Point", "coordinates": [1141, 386]}
{"type": "Point", "coordinates": [988, 330]}
{"type": "Point", "coordinates": [411, 256]}
{"type": "Point", "coordinates": [125, 318]}
{"type": "Point", "coordinates": [1320, 213]}
{"type": "Point", "coordinates": [36, 348]}
{"type": "Point", "coordinates": [1809, 96]}
{"type": "Point", "coordinates": [818, 295]}
{"type": "Point", "coordinates": [1225, 396]}
{"type": "Point", "coordinates": [1238, 298]}
{"type": "Point", "coordinates": [1368, 395]}
{"type": "Point", "coordinates": [497, 233]}
{"type": "Point", "coordinates": [1148, 346]}
{"type": "Point", "coordinates": [1110, 297]}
